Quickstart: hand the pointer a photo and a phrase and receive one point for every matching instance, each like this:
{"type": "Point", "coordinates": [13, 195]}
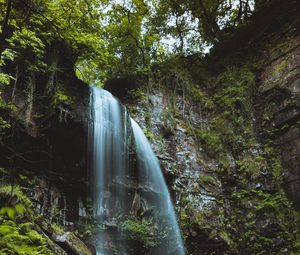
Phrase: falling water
{"type": "Point", "coordinates": [120, 179]}
{"type": "Point", "coordinates": [150, 170]}
{"type": "Point", "coordinates": [109, 158]}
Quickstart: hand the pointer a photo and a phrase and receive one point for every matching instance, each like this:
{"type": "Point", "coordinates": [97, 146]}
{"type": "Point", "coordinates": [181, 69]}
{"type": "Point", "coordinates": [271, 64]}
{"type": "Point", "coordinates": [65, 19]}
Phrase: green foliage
{"type": "Point", "coordinates": [4, 124]}
{"type": "Point", "coordinates": [266, 207]}
{"type": "Point", "coordinates": [274, 163]}
{"type": "Point", "coordinates": [57, 229]}
{"type": "Point", "coordinates": [148, 118]}
{"type": "Point", "coordinates": [241, 229]}
{"type": "Point", "coordinates": [160, 140]}
{"type": "Point", "coordinates": [61, 97]}
{"type": "Point", "coordinates": [28, 47]}
{"type": "Point", "coordinates": [147, 130]}
{"type": "Point", "coordinates": [12, 212]}
{"type": "Point", "coordinates": [231, 110]}
{"type": "Point", "coordinates": [198, 96]}
{"type": "Point", "coordinates": [211, 18]}
{"type": "Point", "coordinates": [89, 229]}
{"type": "Point", "coordinates": [234, 88]}
{"type": "Point", "coordinates": [208, 180]}
{"type": "Point", "coordinates": [21, 238]}
{"type": "Point", "coordinates": [191, 217]}
{"type": "Point", "coordinates": [251, 166]}
{"type": "Point", "coordinates": [113, 38]}
{"type": "Point", "coordinates": [148, 134]}
{"type": "Point", "coordinates": [210, 141]}
{"type": "Point", "coordinates": [18, 234]}
{"type": "Point", "coordinates": [5, 80]}
{"type": "Point", "coordinates": [145, 231]}
{"type": "Point", "coordinates": [138, 94]}
{"type": "Point", "coordinates": [16, 191]}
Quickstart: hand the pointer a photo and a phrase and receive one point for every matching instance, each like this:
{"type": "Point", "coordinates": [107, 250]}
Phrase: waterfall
{"type": "Point", "coordinates": [149, 168]}
{"type": "Point", "coordinates": [126, 180]}
{"type": "Point", "coordinates": [109, 159]}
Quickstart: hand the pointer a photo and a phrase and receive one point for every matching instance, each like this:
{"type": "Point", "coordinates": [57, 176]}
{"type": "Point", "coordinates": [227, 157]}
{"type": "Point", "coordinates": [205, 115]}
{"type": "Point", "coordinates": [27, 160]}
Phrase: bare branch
{"type": "Point", "coordinates": [20, 155]}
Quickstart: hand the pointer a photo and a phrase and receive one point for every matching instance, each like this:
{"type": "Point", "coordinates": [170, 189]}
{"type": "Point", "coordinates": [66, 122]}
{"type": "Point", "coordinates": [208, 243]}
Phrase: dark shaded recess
{"type": "Point", "coordinates": [119, 87]}
{"type": "Point", "coordinates": [68, 143]}
{"type": "Point", "coordinates": [68, 139]}
{"type": "Point", "coordinates": [201, 243]}
{"type": "Point", "coordinates": [53, 146]}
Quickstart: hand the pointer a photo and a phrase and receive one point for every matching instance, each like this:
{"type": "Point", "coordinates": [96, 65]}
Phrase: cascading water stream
{"type": "Point", "coordinates": [119, 179]}
{"type": "Point", "coordinates": [109, 154]}
{"type": "Point", "coordinates": [149, 168]}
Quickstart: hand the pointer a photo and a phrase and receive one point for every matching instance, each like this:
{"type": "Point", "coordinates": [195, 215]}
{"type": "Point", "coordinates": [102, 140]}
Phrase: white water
{"type": "Point", "coordinates": [150, 169]}
{"type": "Point", "coordinates": [109, 145]}
{"type": "Point", "coordinates": [109, 157]}
{"type": "Point", "coordinates": [110, 135]}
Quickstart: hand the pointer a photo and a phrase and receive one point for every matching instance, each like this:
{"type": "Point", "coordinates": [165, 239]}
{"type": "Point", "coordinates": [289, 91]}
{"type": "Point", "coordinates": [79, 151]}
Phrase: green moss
{"type": "Point", "coordinates": [148, 119]}
{"type": "Point", "coordinates": [145, 231]}
{"type": "Point", "coordinates": [251, 166]}
{"type": "Point", "coordinates": [210, 141]}
{"type": "Point", "coordinates": [10, 190]}
{"type": "Point", "coordinates": [283, 47]}
{"type": "Point", "coordinates": [234, 88]}
{"type": "Point", "coordinates": [89, 229]}
{"type": "Point", "coordinates": [148, 134]}
{"type": "Point", "coordinates": [19, 233]}
{"type": "Point", "coordinates": [132, 110]}
{"type": "Point", "coordinates": [208, 180]}
{"type": "Point", "coordinates": [137, 94]}
{"type": "Point", "coordinates": [57, 229]}
{"type": "Point", "coordinates": [198, 96]}
{"type": "Point", "coordinates": [18, 236]}
{"type": "Point", "coordinates": [171, 113]}
{"type": "Point", "coordinates": [14, 241]}
{"type": "Point", "coordinates": [162, 145]}
{"type": "Point", "coordinates": [280, 68]}
{"type": "Point", "coordinates": [60, 97]}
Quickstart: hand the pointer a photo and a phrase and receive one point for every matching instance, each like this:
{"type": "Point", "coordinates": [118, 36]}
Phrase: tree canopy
{"type": "Point", "coordinates": [120, 37]}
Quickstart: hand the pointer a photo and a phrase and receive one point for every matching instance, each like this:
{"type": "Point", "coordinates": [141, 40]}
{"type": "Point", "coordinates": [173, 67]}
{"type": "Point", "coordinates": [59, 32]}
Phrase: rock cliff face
{"type": "Point", "coordinates": [278, 106]}
{"type": "Point", "coordinates": [175, 147]}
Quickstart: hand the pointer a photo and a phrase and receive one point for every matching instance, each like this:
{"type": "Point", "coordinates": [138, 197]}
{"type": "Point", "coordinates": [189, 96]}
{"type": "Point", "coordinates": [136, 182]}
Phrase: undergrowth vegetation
{"type": "Point", "coordinates": [22, 228]}
{"type": "Point", "coordinates": [145, 232]}
{"type": "Point", "coordinates": [19, 233]}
